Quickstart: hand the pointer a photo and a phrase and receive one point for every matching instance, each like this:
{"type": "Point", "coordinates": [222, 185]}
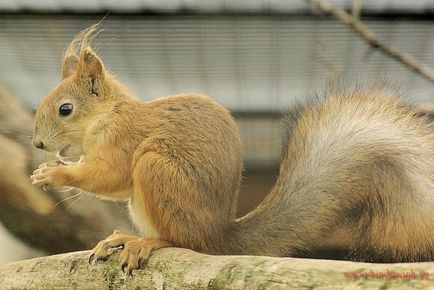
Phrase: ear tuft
{"type": "Point", "coordinates": [69, 66]}
{"type": "Point", "coordinates": [90, 66]}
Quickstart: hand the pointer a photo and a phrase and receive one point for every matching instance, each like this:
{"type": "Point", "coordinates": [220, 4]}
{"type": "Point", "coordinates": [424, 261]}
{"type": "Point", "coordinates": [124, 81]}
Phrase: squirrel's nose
{"type": "Point", "coordinates": [38, 144]}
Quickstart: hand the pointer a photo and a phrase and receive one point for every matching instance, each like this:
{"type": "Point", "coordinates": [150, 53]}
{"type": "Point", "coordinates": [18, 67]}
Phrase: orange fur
{"type": "Point", "coordinates": [356, 171]}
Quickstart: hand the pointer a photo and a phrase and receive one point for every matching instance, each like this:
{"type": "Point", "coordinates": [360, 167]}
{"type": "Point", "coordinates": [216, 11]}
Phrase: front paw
{"type": "Point", "coordinates": [44, 175]}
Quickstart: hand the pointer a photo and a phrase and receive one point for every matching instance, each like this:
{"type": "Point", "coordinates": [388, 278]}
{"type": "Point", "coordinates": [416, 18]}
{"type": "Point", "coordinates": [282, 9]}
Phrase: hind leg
{"type": "Point", "coordinates": [133, 250]}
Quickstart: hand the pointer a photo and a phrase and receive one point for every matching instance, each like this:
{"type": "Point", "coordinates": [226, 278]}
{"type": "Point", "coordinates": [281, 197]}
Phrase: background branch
{"type": "Point", "coordinates": [372, 39]}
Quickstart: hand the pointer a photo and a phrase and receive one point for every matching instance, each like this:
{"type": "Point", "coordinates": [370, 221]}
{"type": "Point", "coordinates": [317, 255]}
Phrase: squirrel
{"type": "Point", "coordinates": [356, 170]}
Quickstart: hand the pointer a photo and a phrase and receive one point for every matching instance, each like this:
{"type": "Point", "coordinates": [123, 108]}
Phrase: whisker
{"type": "Point", "coordinates": [57, 134]}
{"type": "Point", "coordinates": [54, 138]}
{"type": "Point", "coordinates": [74, 202]}
{"type": "Point", "coordinates": [68, 198]}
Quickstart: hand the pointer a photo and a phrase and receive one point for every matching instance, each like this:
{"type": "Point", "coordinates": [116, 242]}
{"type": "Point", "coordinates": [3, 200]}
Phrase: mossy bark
{"type": "Point", "coordinates": [184, 269]}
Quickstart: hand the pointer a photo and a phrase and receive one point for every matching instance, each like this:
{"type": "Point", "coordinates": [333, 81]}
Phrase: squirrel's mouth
{"type": "Point", "coordinates": [64, 151]}
{"type": "Point", "coordinates": [70, 151]}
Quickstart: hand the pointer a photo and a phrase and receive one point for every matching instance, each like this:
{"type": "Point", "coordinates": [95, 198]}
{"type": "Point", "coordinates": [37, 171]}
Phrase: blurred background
{"type": "Point", "coordinates": [256, 57]}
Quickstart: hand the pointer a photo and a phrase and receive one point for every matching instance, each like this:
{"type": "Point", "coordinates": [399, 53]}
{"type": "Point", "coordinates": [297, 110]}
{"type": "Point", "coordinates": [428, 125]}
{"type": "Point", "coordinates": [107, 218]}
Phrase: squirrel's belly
{"type": "Point", "coordinates": [142, 221]}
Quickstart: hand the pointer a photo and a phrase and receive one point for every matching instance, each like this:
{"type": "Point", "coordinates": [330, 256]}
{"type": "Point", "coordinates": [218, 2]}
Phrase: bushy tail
{"type": "Point", "coordinates": [356, 174]}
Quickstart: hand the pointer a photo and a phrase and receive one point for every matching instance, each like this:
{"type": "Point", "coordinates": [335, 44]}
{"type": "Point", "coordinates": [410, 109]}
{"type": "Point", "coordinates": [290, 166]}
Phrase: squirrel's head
{"type": "Point", "coordinates": [65, 113]}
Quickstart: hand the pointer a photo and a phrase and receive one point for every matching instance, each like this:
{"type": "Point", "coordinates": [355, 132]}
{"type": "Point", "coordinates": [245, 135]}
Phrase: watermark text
{"type": "Point", "coordinates": [387, 275]}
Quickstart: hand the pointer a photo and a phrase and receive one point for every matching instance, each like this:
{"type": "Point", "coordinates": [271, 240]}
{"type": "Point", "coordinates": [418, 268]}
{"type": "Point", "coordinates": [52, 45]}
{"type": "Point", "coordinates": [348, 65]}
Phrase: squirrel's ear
{"type": "Point", "coordinates": [90, 71]}
{"type": "Point", "coordinates": [69, 66]}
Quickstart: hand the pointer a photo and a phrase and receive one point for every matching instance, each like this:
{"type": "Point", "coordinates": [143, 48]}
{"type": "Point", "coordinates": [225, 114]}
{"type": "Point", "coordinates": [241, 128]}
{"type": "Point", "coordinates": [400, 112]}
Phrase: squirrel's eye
{"type": "Point", "coordinates": [65, 109]}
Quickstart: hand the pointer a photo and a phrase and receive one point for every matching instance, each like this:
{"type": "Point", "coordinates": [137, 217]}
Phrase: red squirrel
{"type": "Point", "coordinates": [356, 171]}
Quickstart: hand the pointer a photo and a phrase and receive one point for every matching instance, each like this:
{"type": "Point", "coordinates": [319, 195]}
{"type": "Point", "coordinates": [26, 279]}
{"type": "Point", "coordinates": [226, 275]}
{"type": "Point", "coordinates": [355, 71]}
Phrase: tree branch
{"type": "Point", "coordinates": [184, 269]}
{"type": "Point", "coordinates": [372, 39]}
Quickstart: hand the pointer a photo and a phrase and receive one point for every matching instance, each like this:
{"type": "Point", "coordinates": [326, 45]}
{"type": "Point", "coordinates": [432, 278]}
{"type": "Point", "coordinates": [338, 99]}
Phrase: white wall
{"type": "Point", "coordinates": [275, 6]}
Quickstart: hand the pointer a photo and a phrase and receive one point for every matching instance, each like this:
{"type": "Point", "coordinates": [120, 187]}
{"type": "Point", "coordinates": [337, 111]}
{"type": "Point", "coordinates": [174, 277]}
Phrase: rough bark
{"type": "Point", "coordinates": [184, 269]}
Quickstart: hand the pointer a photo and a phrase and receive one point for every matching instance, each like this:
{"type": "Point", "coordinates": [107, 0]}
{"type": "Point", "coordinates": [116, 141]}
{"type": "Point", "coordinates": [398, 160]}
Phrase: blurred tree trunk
{"type": "Point", "coordinates": [32, 214]}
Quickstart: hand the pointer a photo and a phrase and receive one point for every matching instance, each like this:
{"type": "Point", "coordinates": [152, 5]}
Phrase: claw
{"type": "Point", "coordinates": [124, 265]}
{"type": "Point", "coordinates": [93, 261]}
{"type": "Point", "coordinates": [129, 271]}
{"type": "Point", "coordinates": [102, 259]}
{"type": "Point", "coordinates": [91, 258]}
